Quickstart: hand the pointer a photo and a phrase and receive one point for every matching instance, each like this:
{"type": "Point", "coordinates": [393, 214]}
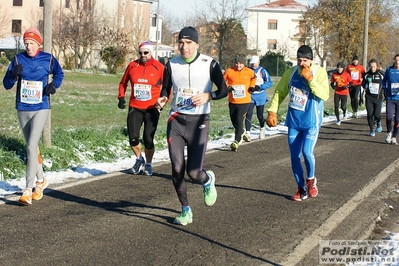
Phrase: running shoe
{"type": "Point", "coordinates": [138, 166]}
{"type": "Point", "coordinates": [300, 194]}
{"type": "Point", "coordinates": [210, 193]}
{"type": "Point", "coordinates": [247, 137]}
{"type": "Point", "coordinates": [40, 186]}
{"type": "Point", "coordinates": [26, 197]}
{"type": "Point", "coordinates": [312, 188]}
{"type": "Point", "coordinates": [148, 170]}
{"type": "Point", "coordinates": [262, 133]}
{"type": "Point", "coordinates": [388, 137]}
{"type": "Point", "coordinates": [338, 122]}
{"type": "Point", "coordinates": [393, 141]}
{"type": "Point", "coordinates": [185, 217]}
{"type": "Point", "coordinates": [234, 146]}
{"type": "Point", "coordinates": [372, 134]}
{"type": "Point", "coordinates": [344, 117]}
{"type": "Point", "coordinates": [354, 115]}
{"type": "Point", "coordinates": [379, 127]}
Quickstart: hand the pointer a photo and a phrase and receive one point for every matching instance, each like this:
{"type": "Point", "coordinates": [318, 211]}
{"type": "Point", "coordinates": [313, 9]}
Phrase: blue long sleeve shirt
{"type": "Point", "coordinates": [35, 70]}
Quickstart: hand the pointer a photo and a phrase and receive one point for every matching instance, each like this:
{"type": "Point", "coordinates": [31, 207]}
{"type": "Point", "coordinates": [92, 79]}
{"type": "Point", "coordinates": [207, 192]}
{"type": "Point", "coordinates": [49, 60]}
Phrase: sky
{"type": "Point", "coordinates": [100, 170]}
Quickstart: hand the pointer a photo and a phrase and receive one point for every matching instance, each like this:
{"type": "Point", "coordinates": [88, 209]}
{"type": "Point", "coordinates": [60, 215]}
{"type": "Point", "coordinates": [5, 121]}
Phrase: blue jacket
{"type": "Point", "coordinates": [390, 84]}
{"type": "Point", "coordinates": [35, 68]}
{"type": "Point", "coordinates": [264, 81]}
{"type": "Point", "coordinates": [306, 105]}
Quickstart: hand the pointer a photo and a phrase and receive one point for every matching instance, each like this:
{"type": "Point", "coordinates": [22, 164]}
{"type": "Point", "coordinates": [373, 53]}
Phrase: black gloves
{"type": "Point", "coordinates": [230, 88]}
{"type": "Point", "coordinates": [49, 89]}
{"type": "Point", "coordinates": [122, 103]}
{"type": "Point", "coordinates": [16, 71]}
{"type": "Point", "coordinates": [256, 88]}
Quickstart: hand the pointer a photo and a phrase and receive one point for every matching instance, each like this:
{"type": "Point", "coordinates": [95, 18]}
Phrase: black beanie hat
{"type": "Point", "coordinates": [355, 58]}
{"type": "Point", "coordinates": [189, 33]}
{"type": "Point", "coordinates": [240, 58]}
{"type": "Point", "coordinates": [340, 64]}
{"type": "Point", "coordinates": [305, 52]}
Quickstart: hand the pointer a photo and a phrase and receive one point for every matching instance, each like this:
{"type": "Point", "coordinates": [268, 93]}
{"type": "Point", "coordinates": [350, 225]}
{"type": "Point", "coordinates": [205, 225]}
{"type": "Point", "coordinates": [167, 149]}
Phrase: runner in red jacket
{"type": "Point", "coordinates": [356, 71]}
{"type": "Point", "coordinates": [146, 76]}
{"type": "Point", "coordinates": [340, 82]}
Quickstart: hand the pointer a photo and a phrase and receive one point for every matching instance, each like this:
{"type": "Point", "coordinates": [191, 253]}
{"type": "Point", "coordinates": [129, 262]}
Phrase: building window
{"type": "Point", "coordinates": [272, 44]}
{"type": "Point", "coordinates": [17, 2]}
{"type": "Point", "coordinates": [67, 3]}
{"type": "Point", "coordinates": [16, 26]}
{"type": "Point", "coordinates": [41, 3]}
{"type": "Point", "coordinates": [272, 24]}
{"type": "Point", "coordinates": [302, 28]}
{"type": "Point", "coordinates": [154, 21]}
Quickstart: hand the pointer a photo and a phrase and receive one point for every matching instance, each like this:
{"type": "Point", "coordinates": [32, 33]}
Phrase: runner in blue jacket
{"type": "Point", "coordinates": [308, 89]}
{"type": "Point", "coordinates": [390, 83]}
{"type": "Point", "coordinates": [31, 70]}
{"type": "Point", "coordinates": [258, 98]}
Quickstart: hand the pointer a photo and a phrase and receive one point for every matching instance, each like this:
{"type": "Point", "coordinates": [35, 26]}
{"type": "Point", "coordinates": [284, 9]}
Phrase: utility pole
{"type": "Point", "coordinates": [366, 32]}
{"type": "Point", "coordinates": [47, 43]}
{"type": "Point", "coordinates": [157, 33]}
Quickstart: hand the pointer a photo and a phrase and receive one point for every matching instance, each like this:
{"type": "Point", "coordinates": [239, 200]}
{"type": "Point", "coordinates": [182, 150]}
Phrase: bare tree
{"type": "Point", "coordinates": [78, 33]}
{"type": "Point", "coordinates": [228, 16]}
{"type": "Point", "coordinates": [337, 27]}
{"type": "Point", "coordinates": [5, 18]}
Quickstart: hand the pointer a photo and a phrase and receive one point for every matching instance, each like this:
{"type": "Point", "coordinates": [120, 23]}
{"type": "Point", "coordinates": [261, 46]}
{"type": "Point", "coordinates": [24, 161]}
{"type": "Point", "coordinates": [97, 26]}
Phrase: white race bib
{"type": "Point", "coordinates": [239, 91]}
{"type": "Point", "coordinates": [298, 98]}
{"type": "Point", "coordinates": [142, 92]}
{"type": "Point", "coordinates": [394, 89]}
{"type": "Point", "coordinates": [374, 88]}
{"type": "Point", "coordinates": [355, 75]}
{"type": "Point", "coordinates": [31, 91]}
{"type": "Point", "coordinates": [184, 100]}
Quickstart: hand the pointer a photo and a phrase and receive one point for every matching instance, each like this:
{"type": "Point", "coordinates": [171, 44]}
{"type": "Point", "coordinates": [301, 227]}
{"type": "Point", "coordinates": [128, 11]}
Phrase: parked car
{"type": "Point", "coordinates": [330, 72]}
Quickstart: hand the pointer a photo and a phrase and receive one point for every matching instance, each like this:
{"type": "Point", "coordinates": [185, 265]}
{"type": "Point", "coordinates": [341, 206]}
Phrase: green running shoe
{"type": "Point", "coordinates": [234, 146]}
{"type": "Point", "coordinates": [210, 193]}
{"type": "Point", "coordinates": [185, 217]}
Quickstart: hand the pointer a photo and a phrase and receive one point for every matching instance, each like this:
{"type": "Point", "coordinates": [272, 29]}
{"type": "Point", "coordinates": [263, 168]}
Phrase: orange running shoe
{"type": "Point", "coordinates": [40, 186]}
{"type": "Point", "coordinates": [26, 197]}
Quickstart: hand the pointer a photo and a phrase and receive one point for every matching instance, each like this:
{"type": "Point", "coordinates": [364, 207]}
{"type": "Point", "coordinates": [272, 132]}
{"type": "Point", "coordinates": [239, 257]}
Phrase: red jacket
{"type": "Point", "coordinates": [146, 81]}
{"type": "Point", "coordinates": [356, 73]}
{"type": "Point", "coordinates": [341, 82]}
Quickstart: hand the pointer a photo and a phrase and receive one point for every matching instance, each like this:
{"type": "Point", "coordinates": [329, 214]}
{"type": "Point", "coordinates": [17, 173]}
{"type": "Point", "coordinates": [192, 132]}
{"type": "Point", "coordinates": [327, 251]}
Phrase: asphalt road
{"type": "Point", "coordinates": [123, 219]}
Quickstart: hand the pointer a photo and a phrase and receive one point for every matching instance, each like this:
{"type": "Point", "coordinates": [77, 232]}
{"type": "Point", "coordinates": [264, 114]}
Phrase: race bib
{"type": "Point", "coordinates": [298, 98]}
{"type": "Point", "coordinates": [184, 100]}
{"type": "Point", "coordinates": [355, 75]}
{"type": "Point", "coordinates": [31, 91]}
{"type": "Point", "coordinates": [394, 89]}
{"type": "Point", "coordinates": [142, 92]}
{"type": "Point", "coordinates": [374, 88]}
{"type": "Point", "coordinates": [239, 91]}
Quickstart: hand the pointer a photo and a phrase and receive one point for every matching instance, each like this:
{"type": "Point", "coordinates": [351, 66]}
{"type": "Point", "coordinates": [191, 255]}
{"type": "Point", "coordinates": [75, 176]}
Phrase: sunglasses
{"type": "Point", "coordinates": [145, 52]}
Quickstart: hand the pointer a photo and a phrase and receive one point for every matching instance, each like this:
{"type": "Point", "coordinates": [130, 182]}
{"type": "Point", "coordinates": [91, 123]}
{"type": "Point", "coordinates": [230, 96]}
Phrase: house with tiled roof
{"type": "Point", "coordinates": [277, 26]}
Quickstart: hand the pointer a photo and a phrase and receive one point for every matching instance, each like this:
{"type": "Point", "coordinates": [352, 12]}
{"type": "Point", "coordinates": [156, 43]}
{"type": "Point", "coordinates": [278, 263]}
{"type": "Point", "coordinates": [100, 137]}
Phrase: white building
{"type": "Point", "coordinates": [277, 26]}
